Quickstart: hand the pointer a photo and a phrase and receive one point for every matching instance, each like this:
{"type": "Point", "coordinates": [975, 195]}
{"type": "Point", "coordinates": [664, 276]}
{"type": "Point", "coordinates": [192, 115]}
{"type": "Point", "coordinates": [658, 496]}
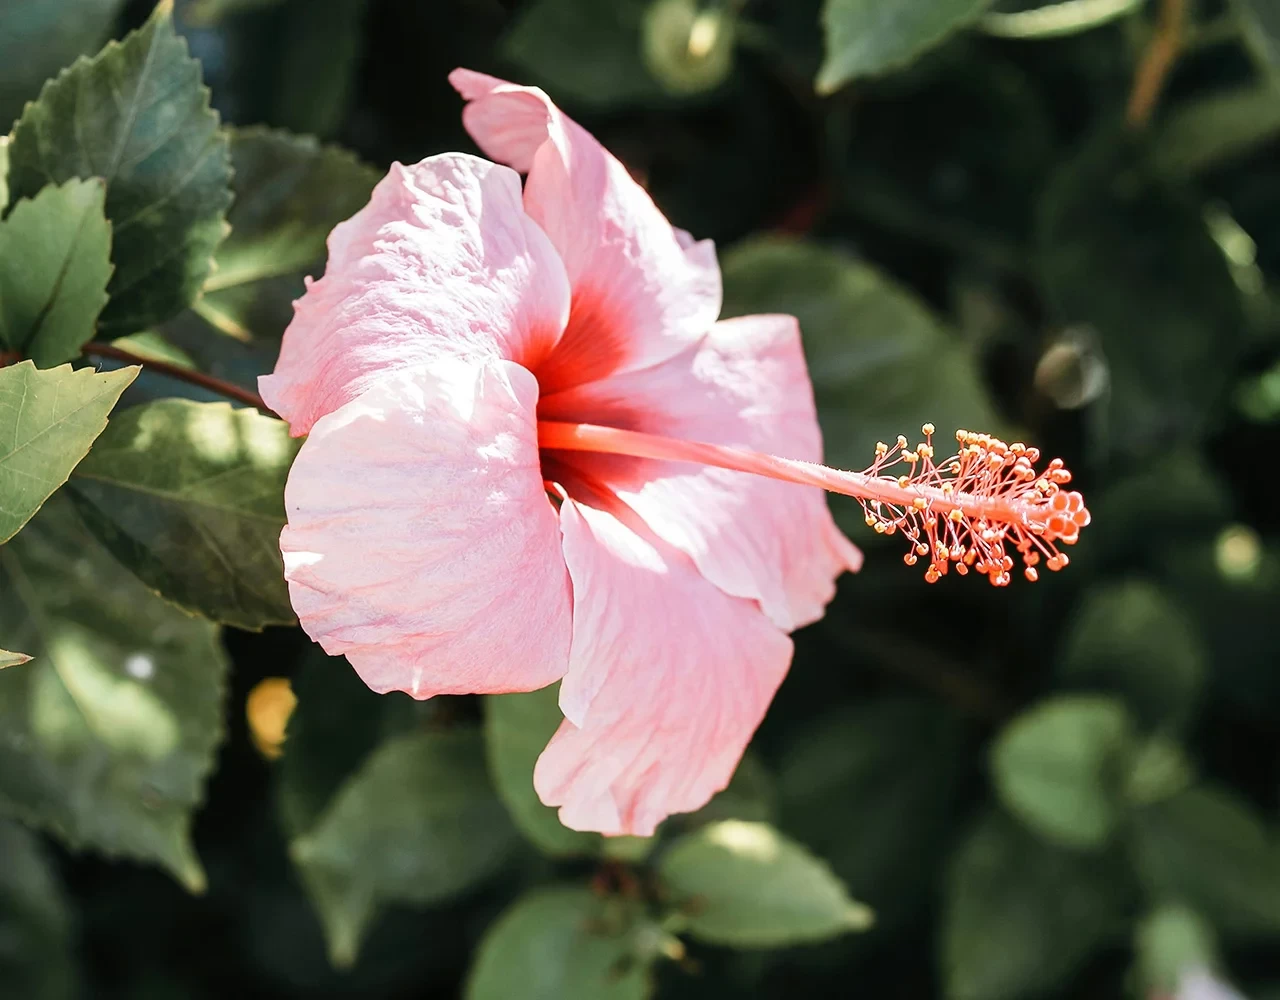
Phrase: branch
{"type": "Point", "coordinates": [220, 386]}
{"type": "Point", "coordinates": [1157, 60]}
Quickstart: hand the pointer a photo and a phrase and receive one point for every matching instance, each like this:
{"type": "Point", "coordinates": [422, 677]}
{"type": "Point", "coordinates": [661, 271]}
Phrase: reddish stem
{"type": "Point", "coordinates": [222, 387]}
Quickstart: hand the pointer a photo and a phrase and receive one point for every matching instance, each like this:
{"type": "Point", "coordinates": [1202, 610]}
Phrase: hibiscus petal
{"type": "Point", "coordinates": [668, 680]}
{"type": "Point", "coordinates": [421, 543]}
{"type": "Point", "coordinates": [443, 261]}
{"type": "Point", "coordinates": [641, 293]}
{"type": "Point", "coordinates": [746, 385]}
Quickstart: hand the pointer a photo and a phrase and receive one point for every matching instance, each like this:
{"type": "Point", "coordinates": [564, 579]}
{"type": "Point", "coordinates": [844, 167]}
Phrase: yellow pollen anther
{"type": "Point", "coordinates": [919, 503]}
{"type": "Point", "coordinates": [902, 441]}
{"type": "Point", "coordinates": [927, 429]}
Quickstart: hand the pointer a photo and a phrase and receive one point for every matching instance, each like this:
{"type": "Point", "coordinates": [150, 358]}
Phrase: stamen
{"type": "Point", "coordinates": [967, 511]}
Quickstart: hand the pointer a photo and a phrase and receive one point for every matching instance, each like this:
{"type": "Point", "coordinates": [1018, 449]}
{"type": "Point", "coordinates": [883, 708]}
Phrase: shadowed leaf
{"type": "Point", "coordinates": [137, 116]}
{"type": "Point", "coordinates": [870, 37]}
{"type": "Point", "coordinates": [106, 737]}
{"type": "Point", "coordinates": [417, 823]}
{"type": "Point", "coordinates": [560, 943]}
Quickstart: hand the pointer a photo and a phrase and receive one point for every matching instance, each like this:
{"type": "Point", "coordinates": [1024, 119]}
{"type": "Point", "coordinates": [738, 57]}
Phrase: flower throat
{"type": "Point", "coordinates": [970, 511]}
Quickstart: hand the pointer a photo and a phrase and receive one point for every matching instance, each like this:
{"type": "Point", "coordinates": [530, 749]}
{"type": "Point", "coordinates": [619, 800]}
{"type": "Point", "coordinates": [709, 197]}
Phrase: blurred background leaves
{"type": "Point", "coordinates": [1057, 222]}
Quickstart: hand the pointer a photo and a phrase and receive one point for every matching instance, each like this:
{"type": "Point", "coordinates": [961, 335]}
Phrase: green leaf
{"type": "Point", "coordinates": [4, 172]}
{"type": "Point", "coordinates": [320, 58]}
{"type": "Point", "coordinates": [1058, 767]}
{"type": "Point", "coordinates": [1134, 639]}
{"type": "Point", "coordinates": [8, 659]}
{"type": "Point", "coordinates": [49, 420]}
{"type": "Point", "coordinates": [110, 731]}
{"type": "Point", "coordinates": [1259, 22]}
{"type": "Point", "coordinates": [516, 729]}
{"type": "Point", "coordinates": [290, 191]}
{"type": "Point", "coordinates": [880, 361]}
{"type": "Point", "coordinates": [1126, 252]}
{"type": "Point", "coordinates": [56, 254]}
{"type": "Point", "coordinates": [1021, 915]}
{"type": "Point", "coordinates": [1209, 850]}
{"type": "Point", "coordinates": [891, 770]}
{"type": "Point", "coordinates": [870, 37]}
{"type": "Point", "coordinates": [190, 496]}
{"type": "Point", "coordinates": [206, 12]}
{"type": "Point", "coordinates": [746, 885]}
{"type": "Point", "coordinates": [1232, 609]}
{"type": "Point", "coordinates": [560, 943]}
{"type": "Point", "coordinates": [418, 823]}
{"type": "Point", "coordinates": [1169, 941]}
{"type": "Point", "coordinates": [335, 726]}
{"type": "Point", "coordinates": [584, 51]}
{"type": "Point", "coordinates": [1038, 19]}
{"type": "Point", "coordinates": [1211, 131]}
{"type": "Point", "coordinates": [151, 346]}
{"type": "Point", "coordinates": [37, 960]}
{"type": "Point", "coordinates": [136, 115]}
{"type": "Point", "coordinates": [39, 39]}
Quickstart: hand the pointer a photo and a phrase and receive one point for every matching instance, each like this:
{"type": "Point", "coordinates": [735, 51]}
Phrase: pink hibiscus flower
{"type": "Point", "coordinates": [535, 455]}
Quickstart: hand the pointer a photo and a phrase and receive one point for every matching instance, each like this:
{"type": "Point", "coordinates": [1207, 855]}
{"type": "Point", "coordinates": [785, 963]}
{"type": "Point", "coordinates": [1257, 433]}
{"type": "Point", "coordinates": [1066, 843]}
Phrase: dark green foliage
{"type": "Point", "coordinates": [1060, 791]}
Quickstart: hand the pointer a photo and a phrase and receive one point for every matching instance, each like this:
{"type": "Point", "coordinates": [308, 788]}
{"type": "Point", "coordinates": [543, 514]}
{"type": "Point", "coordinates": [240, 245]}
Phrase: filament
{"type": "Point", "coordinates": [971, 511]}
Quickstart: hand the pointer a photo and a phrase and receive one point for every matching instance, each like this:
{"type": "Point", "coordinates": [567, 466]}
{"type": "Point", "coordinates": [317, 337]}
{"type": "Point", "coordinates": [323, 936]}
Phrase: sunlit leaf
{"type": "Point", "coordinates": [746, 885]}
{"type": "Point", "coordinates": [8, 659]}
{"type": "Point", "coordinates": [37, 960]}
{"type": "Point", "coordinates": [190, 496]}
{"type": "Point", "coordinates": [55, 260]}
{"type": "Point", "coordinates": [1058, 767]}
{"type": "Point", "coordinates": [137, 116]}
{"type": "Point", "coordinates": [1040, 19]}
{"type": "Point", "coordinates": [870, 37]}
{"type": "Point", "coordinates": [48, 420]}
{"type": "Point", "coordinates": [561, 943]}
{"type": "Point", "coordinates": [418, 823]}
{"type": "Point", "coordinates": [107, 735]}
{"type": "Point", "coordinates": [151, 346]}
